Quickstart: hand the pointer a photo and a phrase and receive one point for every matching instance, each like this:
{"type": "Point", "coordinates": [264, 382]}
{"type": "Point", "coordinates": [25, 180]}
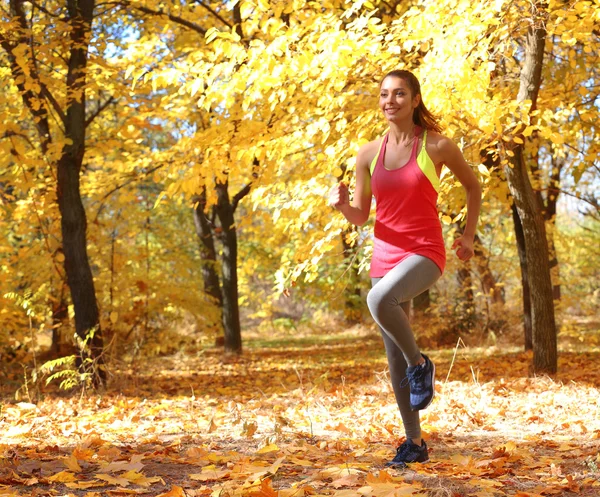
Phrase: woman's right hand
{"type": "Point", "coordinates": [339, 196]}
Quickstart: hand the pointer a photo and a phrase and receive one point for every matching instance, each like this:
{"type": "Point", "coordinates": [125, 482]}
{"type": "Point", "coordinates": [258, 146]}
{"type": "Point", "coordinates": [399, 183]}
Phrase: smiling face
{"type": "Point", "coordinates": [396, 100]}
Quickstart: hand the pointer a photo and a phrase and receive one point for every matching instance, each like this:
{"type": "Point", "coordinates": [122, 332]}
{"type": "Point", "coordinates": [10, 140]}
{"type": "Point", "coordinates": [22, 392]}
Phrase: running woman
{"type": "Point", "coordinates": [402, 172]}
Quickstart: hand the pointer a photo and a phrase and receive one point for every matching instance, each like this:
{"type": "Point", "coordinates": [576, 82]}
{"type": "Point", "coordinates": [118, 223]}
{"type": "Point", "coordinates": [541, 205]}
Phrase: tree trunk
{"type": "Point", "coordinates": [488, 282]}
{"type": "Point", "coordinates": [73, 218]}
{"type": "Point", "coordinates": [208, 255]}
{"type": "Point", "coordinates": [228, 236]}
{"type": "Point", "coordinates": [353, 298]}
{"type": "Point", "coordinates": [520, 237]}
{"type": "Point", "coordinates": [422, 302]}
{"type": "Point", "coordinates": [467, 303]}
{"type": "Point", "coordinates": [550, 214]}
{"type": "Point", "coordinates": [530, 212]}
{"type": "Point", "coordinates": [61, 345]}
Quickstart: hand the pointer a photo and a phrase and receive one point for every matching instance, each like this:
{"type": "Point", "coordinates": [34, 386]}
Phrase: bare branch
{"type": "Point", "coordinates": [215, 13]}
{"type": "Point", "coordinates": [588, 200]}
{"type": "Point", "coordinates": [171, 17]}
{"type": "Point", "coordinates": [134, 177]}
{"type": "Point", "coordinates": [55, 105]}
{"type": "Point", "coordinates": [42, 9]}
{"type": "Point", "coordinates": [246, 189]}
{"type": "Point", "coordinates": [240, 195]}
{"type": "Point", "coordinates": [99, 110]}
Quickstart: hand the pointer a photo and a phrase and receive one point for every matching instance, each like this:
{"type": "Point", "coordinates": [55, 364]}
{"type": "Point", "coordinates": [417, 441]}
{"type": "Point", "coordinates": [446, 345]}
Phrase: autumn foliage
{"type": "Point", "coordinates": [312, 416]}
{"type": "Point", "coordinates": [163, 176]}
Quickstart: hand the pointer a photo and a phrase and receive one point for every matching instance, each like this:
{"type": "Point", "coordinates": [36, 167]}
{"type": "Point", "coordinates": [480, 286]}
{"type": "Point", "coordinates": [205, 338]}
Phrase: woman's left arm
{"type": "Point", "coordinates": [452, 157]}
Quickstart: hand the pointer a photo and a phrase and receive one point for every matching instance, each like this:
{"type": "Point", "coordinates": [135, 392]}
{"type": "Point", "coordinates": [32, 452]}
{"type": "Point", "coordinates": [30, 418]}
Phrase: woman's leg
{"type": "Point", "coordinates": [408, 279]}
{"type": "Point", "coordinates": [397, 366]}
{"type": "Point", "coordinates": [389, 302]}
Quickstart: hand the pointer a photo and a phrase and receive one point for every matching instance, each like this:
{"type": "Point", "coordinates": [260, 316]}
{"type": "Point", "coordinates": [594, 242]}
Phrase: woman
{"type": "Point", "coordinates": [402, 172]}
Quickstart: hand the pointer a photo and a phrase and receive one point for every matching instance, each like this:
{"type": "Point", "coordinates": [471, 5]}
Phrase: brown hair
{"type": "Point", "coordinates": [421, 116]}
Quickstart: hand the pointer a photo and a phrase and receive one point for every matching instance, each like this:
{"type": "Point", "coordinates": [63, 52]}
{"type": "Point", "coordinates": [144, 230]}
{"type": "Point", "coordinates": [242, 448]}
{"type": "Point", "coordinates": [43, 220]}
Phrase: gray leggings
{"type": "Point", "coordinates": [389, 303]}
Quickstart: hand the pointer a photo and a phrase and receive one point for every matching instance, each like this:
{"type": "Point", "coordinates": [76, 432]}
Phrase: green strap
{"type": "Point", "coordinates": [374, 161]}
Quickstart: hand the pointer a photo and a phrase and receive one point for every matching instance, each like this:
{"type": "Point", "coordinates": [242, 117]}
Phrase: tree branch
{"type": "Point", "coordinates": [99, 110]}
{"type": "Point", "coordinates": [39, 113]}
{"type": "Point", "coordinates": [122, 185]}
{"type": "Point", "coordinates": [55, 105]}
{"type": "Point", "coordinates": [42, 9]}
{"type": "Point", "coordinates": [214, 13]}
{"type": "Point", "coordinates": [246, 189]}
{"type": "Point", "coordinates": [171, 17]}
{"type": "Point", "coordinates": [240, 195]}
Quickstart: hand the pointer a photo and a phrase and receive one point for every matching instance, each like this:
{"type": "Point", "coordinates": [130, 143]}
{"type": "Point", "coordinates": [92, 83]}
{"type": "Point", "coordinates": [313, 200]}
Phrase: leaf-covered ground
{"type": "Point", "coordinates": [311, 416]}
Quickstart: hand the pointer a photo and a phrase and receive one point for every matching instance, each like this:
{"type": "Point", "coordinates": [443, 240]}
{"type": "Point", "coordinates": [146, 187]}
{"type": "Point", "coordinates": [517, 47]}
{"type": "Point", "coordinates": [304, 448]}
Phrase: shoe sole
{"type": "Point", "coordinates": [432, 385]}
{"type": "Point", "coordinates": [404, 465]}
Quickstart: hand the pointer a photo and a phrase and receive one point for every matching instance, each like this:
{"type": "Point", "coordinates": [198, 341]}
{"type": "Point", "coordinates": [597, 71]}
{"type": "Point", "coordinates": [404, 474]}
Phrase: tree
{"type": "Point", "coordinates": [530, 212]}
{"type": "Point", "coordinates": [22, 52]}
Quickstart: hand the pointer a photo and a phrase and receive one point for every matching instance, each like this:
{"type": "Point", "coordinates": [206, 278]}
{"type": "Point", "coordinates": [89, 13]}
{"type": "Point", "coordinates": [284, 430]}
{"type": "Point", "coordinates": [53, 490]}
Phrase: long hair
{"type": "Point", "coordinates": [421, 116]}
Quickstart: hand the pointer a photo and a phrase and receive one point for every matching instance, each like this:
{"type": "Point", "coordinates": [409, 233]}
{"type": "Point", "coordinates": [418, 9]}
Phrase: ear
{"type": "Point", "coordinates": [416, 100]}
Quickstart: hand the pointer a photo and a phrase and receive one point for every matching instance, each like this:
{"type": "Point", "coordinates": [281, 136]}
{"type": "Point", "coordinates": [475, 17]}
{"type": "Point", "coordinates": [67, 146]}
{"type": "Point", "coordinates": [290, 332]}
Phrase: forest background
{"type": "Point", "coordinates": [164, 171]}
{"type": "Point", "coordinates": [165, 167]}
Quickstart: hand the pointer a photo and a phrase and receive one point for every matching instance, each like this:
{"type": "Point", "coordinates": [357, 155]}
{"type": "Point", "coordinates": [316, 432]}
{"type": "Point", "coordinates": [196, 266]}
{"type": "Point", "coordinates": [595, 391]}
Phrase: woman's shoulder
{"type": "Point", "coordinates": [368, 151]}
{"type": "Point", "coordinates": [434, 137]}
{"type": "Point", "coordinates": [438, 145]}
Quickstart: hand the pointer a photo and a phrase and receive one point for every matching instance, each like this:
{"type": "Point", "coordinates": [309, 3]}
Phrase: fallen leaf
{"type": "Point", "coordinates": [268, 448]}
{"type": "Point", "coordinates": [82, 485]}
{"type": "Point", "coordinates": [113, 480]}
{"type": "Point", "coordinates": [63, 477]}
{"type": "Point", "coordinates": [132, 465]}
{"type": "Point", "coordinates": [210, 473]}
{"type": "Point", "coordinates": [72, 463]}
{"type": "Point", "coordinates": [140, 479]}
{"type": "Point", "coordinates": [174, 492]}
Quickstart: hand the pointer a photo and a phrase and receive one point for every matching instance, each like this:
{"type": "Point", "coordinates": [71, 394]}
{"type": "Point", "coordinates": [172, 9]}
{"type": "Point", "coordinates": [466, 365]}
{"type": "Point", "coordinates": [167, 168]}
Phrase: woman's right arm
{"type": "Point", "coordinates": [356, 212]}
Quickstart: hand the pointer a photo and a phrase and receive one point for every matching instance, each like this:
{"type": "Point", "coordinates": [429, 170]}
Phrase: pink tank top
{"type": "Point", "coordinates": [406, 220]}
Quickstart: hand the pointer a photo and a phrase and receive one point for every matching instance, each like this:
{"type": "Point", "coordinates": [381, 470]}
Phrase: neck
{"type": "Point", "coordinates": [402, 132]}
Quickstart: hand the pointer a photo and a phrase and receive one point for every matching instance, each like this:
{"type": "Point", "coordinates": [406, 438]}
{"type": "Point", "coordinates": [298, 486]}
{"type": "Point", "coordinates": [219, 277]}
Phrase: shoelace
{"type": "Point", "coordinates": [417, 374]}
{"type": "Point", "coordinates": [400, 451]}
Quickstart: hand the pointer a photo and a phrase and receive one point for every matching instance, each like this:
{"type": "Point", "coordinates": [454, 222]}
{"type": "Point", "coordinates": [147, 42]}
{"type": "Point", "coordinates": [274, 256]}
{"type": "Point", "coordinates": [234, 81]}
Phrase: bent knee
{"type": "Point", "coordinates": [378, 301]}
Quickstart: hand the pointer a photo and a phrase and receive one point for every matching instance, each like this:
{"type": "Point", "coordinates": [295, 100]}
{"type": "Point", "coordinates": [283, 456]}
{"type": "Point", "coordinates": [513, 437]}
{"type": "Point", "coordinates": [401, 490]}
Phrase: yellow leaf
{"type": "Point", "coordinates": [528, 130]}
{"type": "Point", "coordinates": [114, 317]}
{"type": "Point", "coordinates": [112, 480]}
{"type": "Point", "coordinates": [141, 479]}
{"type": "Point", "coordinates": [133, 465]}
{"type": "Point", "coordinates": [63, 477]}
{"type": "Point", "coordinates": [196, 85]}
{"type": "Point", "coordinates": [268, 448]}
{"type": "Point", "coordinates": [483, 170]}
{"type": "Point", "coordinates": [82, 485]}
{"type": "Point", "coordinates": [210, 473]}
{"type": "Point", "coordinates": [174, 492]}
{"type": "Point", "coordinates": [276, 465]}
{"type": "Point", "coordinates": [72, 464]}
{"type": "Point", "coordinates": [130, 69]}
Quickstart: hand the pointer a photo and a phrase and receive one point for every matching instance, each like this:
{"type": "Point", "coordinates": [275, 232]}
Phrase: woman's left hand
{"type": "Point", "coordinates": [465, 248]}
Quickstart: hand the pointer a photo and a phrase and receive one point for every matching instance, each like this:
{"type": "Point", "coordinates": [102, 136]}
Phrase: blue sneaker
{"type": "Point", "coordinates": [421, 381]}
{"type": "Point", "coordinates": [409, 452]}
